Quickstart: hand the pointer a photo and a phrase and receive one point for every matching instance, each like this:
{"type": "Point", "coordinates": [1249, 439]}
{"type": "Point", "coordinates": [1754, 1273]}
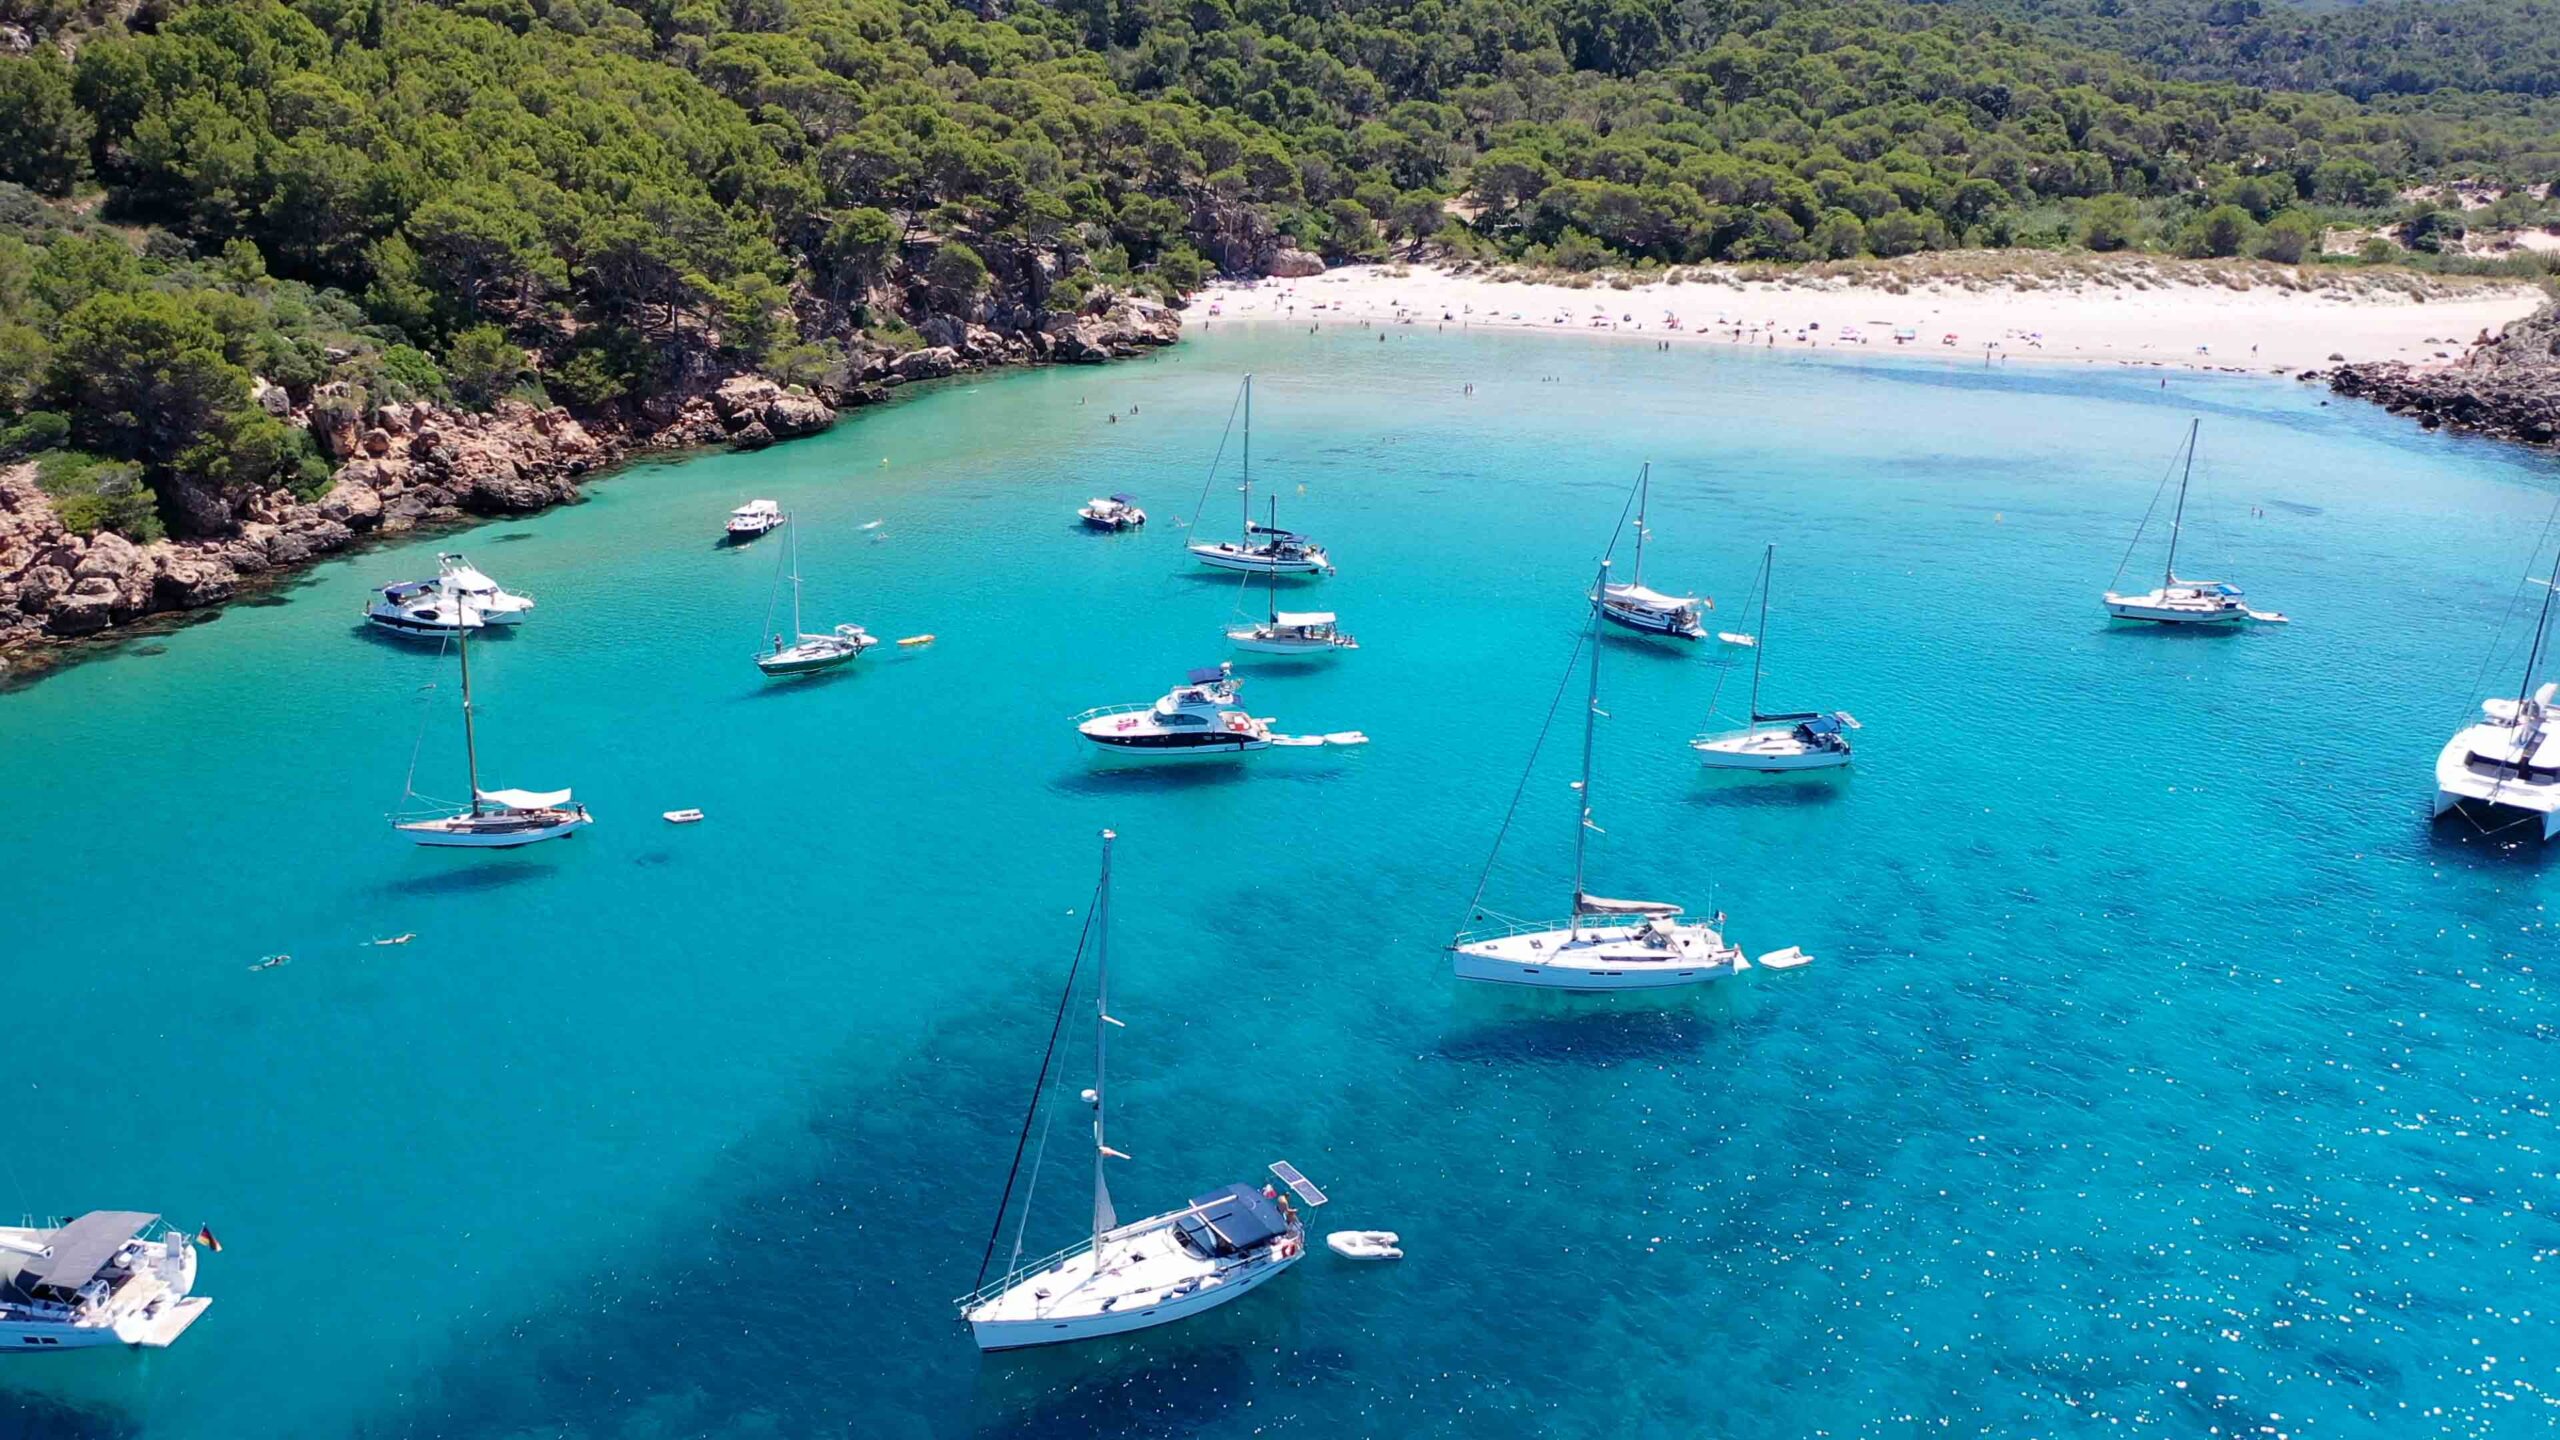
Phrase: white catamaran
{"type": "Point", "coordinates": [2506, 766]}
{"type": "Point", "coordinates": [495, 819]}
{"type": "Point", "coordinates": [1605, 944]}
{"type": "Point", "coordinates": [1278, 551]}
{"type": "Point", "coordinates": [1151, 1272]}
{"type": "Point", "coordinates": [2183, 602]}
{"type": "Point", "coordinates": [799, 652]}
{"type": "Point", "coordinates": [1790, 740]}
{"type": "Point", "coordinates": [1638, 607]}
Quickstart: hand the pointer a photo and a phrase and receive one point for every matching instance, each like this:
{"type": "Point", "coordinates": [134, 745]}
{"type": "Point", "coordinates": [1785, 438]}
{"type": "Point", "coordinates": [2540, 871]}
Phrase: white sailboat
{"type": "Point", "coordinates": [1278, 552]}
{"type": "Point", "coordinates": [1639, 607]}
{"type": "Point", "coordinates": [1790, 740]}
{"type": "Point", "coordinates": [1604, 944]}
{"type": "Point", "coordinates": [110, 1277]}
{"type": "Point", "coordinates": [800, 652]}
{"type": "Point", "coordinates": [2177, 601]}
{"type": "Point", "coordinates": [495, 819]}
{"type": "Point", "coordinates": [2506, 766]}
{"type": "Point", "coordinates": [1221, 1246]}
{"type": "Point", "coordinates": [1308, 633]}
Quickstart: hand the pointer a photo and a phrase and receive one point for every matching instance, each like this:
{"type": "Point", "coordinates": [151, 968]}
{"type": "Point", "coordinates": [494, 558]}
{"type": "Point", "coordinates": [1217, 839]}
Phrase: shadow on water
{"type": "Point", "coordinates": [510, 537]}
{"type": "Point", "coordinates": [43, 1417]}
{"type": "Point", "coordinates": [476, 875]}
{"type": "Point", "coordinates": [2487, 840]}
{"type": "Point", "coordinates": [2131, 628]}
{"type": "Point", "coordinates": [1158, 1383]}
{"type": "Point", "coordinates": [1156, 779]}
{"type": "Point", "coordinates": [1571, 1030]}
{"type": "Point", "coordinates": [1742, 791]}
{"type": "Point", "coordinates": [779, 685]}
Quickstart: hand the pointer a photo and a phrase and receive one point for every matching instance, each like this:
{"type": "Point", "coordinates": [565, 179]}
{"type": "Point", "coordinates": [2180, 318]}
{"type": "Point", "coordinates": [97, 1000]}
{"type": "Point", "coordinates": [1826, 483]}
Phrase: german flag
{"type": "Point", "coordinates": [204, 1237]}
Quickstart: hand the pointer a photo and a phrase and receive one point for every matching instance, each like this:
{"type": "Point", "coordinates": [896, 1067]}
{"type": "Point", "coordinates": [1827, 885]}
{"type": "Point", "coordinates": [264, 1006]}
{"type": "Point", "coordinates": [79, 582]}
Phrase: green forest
{"type": "Point", "coordinates": [581, 201]}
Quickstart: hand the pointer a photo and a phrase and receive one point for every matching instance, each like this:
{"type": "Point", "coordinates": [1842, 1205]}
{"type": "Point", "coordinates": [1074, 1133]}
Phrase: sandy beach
{"type": "Point", "coordinates": [2237, 317]}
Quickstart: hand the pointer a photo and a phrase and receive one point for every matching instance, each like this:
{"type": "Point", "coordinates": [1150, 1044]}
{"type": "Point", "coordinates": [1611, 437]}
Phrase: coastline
{"type": "Point", "coordinates": [2238, 317]}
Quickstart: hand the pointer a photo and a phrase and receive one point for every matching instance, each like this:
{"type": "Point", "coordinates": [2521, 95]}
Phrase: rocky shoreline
{"type": "Point", "coordinates": [400, 467]}
{"type": "Point", "coordinates": [2507, 388]}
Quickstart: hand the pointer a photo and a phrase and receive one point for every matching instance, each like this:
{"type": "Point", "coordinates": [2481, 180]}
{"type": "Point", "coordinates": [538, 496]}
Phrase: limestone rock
{"type": "Point", "coordinates": [789, 416]}
{"type": "Point", "coordinates": [88, 608]}
{"type": "Point", "coordinates": [927, 364]}
{"type": "Point", "coordinates": [1291, 264]}
{"type": "Point", "coordinates": [189, 581]}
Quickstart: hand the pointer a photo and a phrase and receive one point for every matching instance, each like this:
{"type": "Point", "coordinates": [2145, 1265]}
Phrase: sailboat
{"type": "Point", "coordinates": [1605, 944]}
{"type": "Point", "coordinates": [1637, 607]}
{"type": "Point", "coordinates": [801, 653]}
{"type": "Point", "coordinates": [1792, 740]}
{"type": "Point", "coordinates": [1289, 632]}
{"type": "Point", "coordinates": [1168, 1267]}
{"type": "Point", "coordinates": [495, 819]}
{"type": "Point", "coordinates": [1280, 552]}
{"type": "Point", "coordinates": [2183, 602]}
{"type": "Point", "coordinates": [2509, 762]}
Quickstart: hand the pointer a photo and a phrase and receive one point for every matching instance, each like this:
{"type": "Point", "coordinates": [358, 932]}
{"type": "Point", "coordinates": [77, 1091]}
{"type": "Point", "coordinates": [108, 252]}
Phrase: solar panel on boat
{"type": "Point", "coordinates": [1305, 1187]}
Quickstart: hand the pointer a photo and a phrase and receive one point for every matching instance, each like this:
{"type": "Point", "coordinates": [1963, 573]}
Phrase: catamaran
{"type": "Point", "coordinates": [800, 652]}
{"type": "Point", "coordinates": [1638, 607]}
{"type": "Point", "coordinates": [110, 1277]}
{"type": "Point", "coordinates": [2508, 763]}
{"type": "Point", "coordinates": [1312, 633]}
{"type": "Point", "coordinates": [1605, 944]}
{"type": "Point", "coordinates": [495, 819]}
{"type": "Point", "coordinates": [1790, 740]}
{"type": "Point", "coordinates": [1168, 1267]}
{"type": "Point", "coordinates": [1278, 552]}
{"type": "Point", "coordinates": [2177, 601]}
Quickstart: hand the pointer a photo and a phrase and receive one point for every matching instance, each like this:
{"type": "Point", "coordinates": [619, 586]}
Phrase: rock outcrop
{"type": "Point", "coordinates": [2508, 388]}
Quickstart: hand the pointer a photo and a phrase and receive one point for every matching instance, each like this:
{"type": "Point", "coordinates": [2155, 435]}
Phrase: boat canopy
{"type": "Point", "coordinates": [1232, 1220]}
{"type": "Point", "coordinates": [1124, 499]}
{"type": "Point", "coordinates": [1256, 527]}
{"type": "Point", "coordinates": [1302, 617]}
{"type": "Point", "coordinates": [1206, 675]}
{"type": "Point", "coordinates": [79, 1250]}
{"type": "Point", "coordinates": [1821, 725]}
{"type": "Point", "coordinates": [1647, 596]}
{"type": "Point", "coordinates": [526, 799]}
{"type": "Point", "coordinates": [1602, 905]}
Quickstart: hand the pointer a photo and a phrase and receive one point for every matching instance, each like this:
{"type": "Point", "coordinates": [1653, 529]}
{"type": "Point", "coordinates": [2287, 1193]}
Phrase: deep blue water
{"type": "Point", "coordinates": [2163, 1069]}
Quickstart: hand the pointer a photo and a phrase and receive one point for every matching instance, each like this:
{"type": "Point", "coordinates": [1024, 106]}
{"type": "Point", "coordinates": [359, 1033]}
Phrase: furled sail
{"type": "Point", "coordinates": [1602, 905]}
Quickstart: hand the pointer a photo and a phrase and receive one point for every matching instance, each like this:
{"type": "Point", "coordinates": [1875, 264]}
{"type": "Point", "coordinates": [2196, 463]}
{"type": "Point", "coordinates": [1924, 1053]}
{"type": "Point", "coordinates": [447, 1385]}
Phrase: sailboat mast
{"type": "Point", "coordinates": [2178, 518]}
{"type": "Point", "coordinates": [1644, 499]}
{"type": "Point", "coordinates": [1271, 573]}
{"type": "Point", "coordinates": [1590, 722]}
{"type": "Point", "coordinates": [1103, 1219]}
{"type": "Point", "coordinates": [470, 737]}
{"type": "Point", "coordinates": [1248, 462]}
{"type": "Point", "coordinates": [791, 548]}
{"type": "Point", "coordinates": [1760, 636]}
{"type": "Point", "coordinates": [2541, 632]}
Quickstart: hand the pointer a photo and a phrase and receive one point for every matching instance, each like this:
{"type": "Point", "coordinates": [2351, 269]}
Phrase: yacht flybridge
{"type": "Point", "coordinates": [463, 581]}
{"type": "Point", "coordinates": [1195, 720]}
{"type": "Point", "coordinates": [1775, 741]}
{"type": "Point", "coordinates": [2506, 766]}
{"type": "Point", "coordinates": [799, 652]}
{"type": "Point", "coordinates": [1263, 548]}
{"type": "Point", "coordinates": [2179, 601]}
{"type": "Point", "coordinates": [1222, 1245]}
{"type": "Point", "coordinates": [1640, 607]}
{"type": "Point", "coordinates": [753, 519]}
{"type": "Point", "coordinates": [1311, 633]}
{"type": "Point", "coordinates": [1604, 944]}
{"type": "Point", "coordinates": [495, 819]}
{"type": "Point", "coordinates": [110, 1277]}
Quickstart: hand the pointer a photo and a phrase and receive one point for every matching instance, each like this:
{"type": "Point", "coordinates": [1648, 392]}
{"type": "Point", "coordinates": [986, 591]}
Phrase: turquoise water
{"type": "Point", "coordinates": [2163, 1069]}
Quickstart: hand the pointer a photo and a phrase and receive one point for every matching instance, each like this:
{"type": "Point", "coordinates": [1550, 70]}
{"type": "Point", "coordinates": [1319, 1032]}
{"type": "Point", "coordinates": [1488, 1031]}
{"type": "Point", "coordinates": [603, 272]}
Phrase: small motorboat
{"type": "Point", "coordinates": [1735, 637]}
{"type": "Point", "coordinates": [1113, 512]}
{"type": "Point", "coordinates": [1365, 1244]}
{"type": "Point", "coordinates": [423, 608]}
{"type": "Point", "coordinates": [756, 517]}
{"type": "Point", "coordinates": [1787, 959]}
{"type": "Point", "coordinates": [684, 817]}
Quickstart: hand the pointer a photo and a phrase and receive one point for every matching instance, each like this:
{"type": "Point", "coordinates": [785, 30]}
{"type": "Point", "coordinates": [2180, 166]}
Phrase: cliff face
{"type": "Point", "coordinates": [405, 466]}
{"type": "Point", "coordinates": [2509, 388]}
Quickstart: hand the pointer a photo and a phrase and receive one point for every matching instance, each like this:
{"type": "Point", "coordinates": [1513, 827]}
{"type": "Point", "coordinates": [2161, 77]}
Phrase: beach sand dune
{"type": "Point", "coordinates": [2145, 312]}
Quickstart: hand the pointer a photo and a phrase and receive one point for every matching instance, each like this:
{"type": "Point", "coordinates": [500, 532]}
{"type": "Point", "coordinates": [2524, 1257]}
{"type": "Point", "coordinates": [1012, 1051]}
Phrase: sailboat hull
{"type": "Point", "coordinates": [1062, 1328]}
{"type": "Point", "coordinates": [493, 832]}
{"type": "Point", "coordinates": [1597, 958]}
{"type": "Point", "coordinates": [2175, 612]}
{"type": "Point", "coordinates": [1677, 624]}
{"type": "Point", "coordinates": [1767, 751]}
{"type": "Point", "coordinates": [1256, 639]}
{"type": "Point", "coordinates": [1259, 562]}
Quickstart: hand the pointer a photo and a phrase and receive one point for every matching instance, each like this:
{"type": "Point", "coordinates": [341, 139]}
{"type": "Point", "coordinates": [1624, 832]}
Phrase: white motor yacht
{"type": "Point", "coordinates": [754, 518]}
{"type": "Point", "coordinates": [1638, 606]}
{"type": "Point", "coordinates": [495, 819]}
{"type": "Point", "coordinates": [1113, 512]}
{"type": "Point", "coordinates": [458, 578]}
{"type": "Point", "coordinates": [421, 608]}
{"type": "Point", "coordinates": [1604, 944]}
{"type": "Point", "coordinates": [1777, 741]}
{"type": "Point", "coordinates": [2504, 769]}
{"type": "Point", "coordinates": [110, 1277]}
{"type": "Point", "coordinates": [1263, 549]}
{"type": "Point", "coordinates": [798, 652]}
{"type": "Point", "coordinates": [1196, 720]}
{"type": "Point", "coordinates": [2178, 601]}
{"type": "Point", "coordinates": [1219, 1247]}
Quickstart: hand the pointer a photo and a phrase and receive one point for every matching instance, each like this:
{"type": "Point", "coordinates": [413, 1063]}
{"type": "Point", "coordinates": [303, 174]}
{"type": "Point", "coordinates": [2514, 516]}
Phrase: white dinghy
{"type": "Point", "coordinates": [1365, 1244]}
{"type": "Point", "coordinates": [1223, 1245]}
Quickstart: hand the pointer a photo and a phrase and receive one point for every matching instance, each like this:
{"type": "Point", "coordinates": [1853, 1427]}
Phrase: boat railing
{"type": "Point", "coordinates": [1099, 712]}
{"type": "Point", "coordinates": [1537, 927]}
{"type": "Point", "coordinates": [1018, 1273]}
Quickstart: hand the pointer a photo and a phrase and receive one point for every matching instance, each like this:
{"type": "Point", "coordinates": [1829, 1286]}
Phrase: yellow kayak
{"type": "Point", "coordinates": [917, 640]}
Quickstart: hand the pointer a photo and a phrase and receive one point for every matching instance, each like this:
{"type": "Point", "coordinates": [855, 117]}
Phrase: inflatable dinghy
{"type": "Point", "coordinates": [1786, 959]}
{"type": "Point", "coordinates": [1364, 1244]}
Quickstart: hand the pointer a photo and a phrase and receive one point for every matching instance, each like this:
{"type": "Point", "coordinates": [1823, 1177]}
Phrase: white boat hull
{"type": "Point", "coordinates": [1255, 562]}
{"type": "Point", "coordinates": [2496, 793]}
{"type": "Point", "coordinates": [452, 833]}
{"type": "Point", "coordinates": [1596, 958]}
{"type": "Point", "coordinates": [2160, 609]}
{"type": "Point", "coordinates": [1222, 749]}
{"type": "Point", "coordinates": [1652, 622]}
{"type": "Point", "coordinates": [808, 659]}
{"type": "Point", "coordinates": [1769, 752]}
{"type": "Point", "coordinates": [1251, 638]}
{"type": "Point", "coordinates": [994, 1335]}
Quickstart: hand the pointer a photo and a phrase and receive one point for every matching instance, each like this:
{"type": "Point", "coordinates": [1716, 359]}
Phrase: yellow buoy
{"type": "Point", "coordinates": [917, 640]}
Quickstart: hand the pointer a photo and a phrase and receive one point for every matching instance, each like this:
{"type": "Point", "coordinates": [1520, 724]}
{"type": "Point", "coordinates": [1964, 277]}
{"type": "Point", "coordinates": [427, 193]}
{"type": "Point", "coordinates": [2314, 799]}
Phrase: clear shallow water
{"type": "Point", "coordinates": [2163, 1070]}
